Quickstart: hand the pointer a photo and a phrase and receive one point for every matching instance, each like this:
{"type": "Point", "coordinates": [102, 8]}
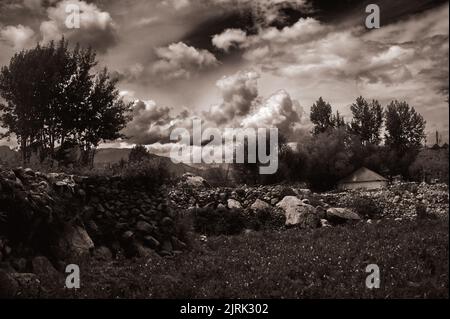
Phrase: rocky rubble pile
{"type": "Point", "coordinates": [292, 202]}
{"type": "Point", "coordinates": [400, 200]}
{"type": "Point", "coordinates": [302, 207]}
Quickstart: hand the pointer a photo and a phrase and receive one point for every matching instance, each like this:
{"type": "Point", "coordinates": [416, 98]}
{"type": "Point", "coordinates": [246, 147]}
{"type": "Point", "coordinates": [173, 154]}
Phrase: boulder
{"type": "Point", "coordinates": [233, 204]}
{"type": "Point", "coordinates": [75, 243]}
{"type": "Point", "coordinates": [144, 227]}
{"type": "Point", "coordinates": [127, 236]}
{"type": "Point", "coordinates": [341, 215]}
{"type": "Point", "coordinates": [29, 285]}
{"type": "Point", "coordinates": [299, 213]}
{"type": "Point", "coordinates": [259, 205]}
{"type": "Point", "coordinates": [43, 268]}
{"type": "Point", "coordinates": [324, 223]}
{"type": "Point", "coordinates": [9, 287]}
{"type": "Point", "coordinates": [194, 181]}
{"type": "Point", "coordinates": [151, 242]}
{"type": "Point", "coordinates": [142, 251]}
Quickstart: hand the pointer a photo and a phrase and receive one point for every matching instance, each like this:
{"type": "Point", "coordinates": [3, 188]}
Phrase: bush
{"type": "Point", "coordinates": [150, 173]}
{"type": "Point", "coordinates": [211, 221]}
{"type": "Point", "coordinates": [265, 219]}
{"type": "Point", "coordinates": [366, 207]}
{"type": "Point", "coordinates": [422, 213]}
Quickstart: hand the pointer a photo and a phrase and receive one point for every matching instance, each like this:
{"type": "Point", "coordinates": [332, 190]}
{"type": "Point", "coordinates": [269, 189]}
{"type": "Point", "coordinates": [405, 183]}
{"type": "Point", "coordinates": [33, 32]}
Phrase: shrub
{"type": "Point", "coordinates": [366, 207]}
{"type": "Point", "coordinates": [150, 173]}
{"type": "Point", "coordinates": [218, 221]}
{"type": "Point", "coordinates": [421, 211]}
{"type": "Point", "coordinates": [265, 219]}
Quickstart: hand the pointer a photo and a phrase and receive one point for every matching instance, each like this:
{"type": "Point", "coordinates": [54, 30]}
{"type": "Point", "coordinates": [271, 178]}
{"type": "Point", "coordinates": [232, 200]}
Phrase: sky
{"type": "Point", "coordinates": [243, 63]}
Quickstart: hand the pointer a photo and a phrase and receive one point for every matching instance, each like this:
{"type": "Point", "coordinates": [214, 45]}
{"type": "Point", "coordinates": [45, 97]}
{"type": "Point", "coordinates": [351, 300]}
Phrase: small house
{"type": "Point", "coordinates": [362, 178]}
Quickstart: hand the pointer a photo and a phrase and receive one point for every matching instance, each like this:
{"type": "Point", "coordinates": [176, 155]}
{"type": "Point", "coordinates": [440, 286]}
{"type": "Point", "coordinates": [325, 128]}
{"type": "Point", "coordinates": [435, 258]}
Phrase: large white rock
{"type": "Point", "coordinates": [259, 205]}
{"type": "Point", "coordinates": [233, 204]}
{"type": "Point", "coordinates": [341, 214]}
{"type": "Point", "coordinates": [299, 213]}
{"type": "Point", "coordinates": [75, 243]}
{"type": "Point", "coordinates": [194, 181]}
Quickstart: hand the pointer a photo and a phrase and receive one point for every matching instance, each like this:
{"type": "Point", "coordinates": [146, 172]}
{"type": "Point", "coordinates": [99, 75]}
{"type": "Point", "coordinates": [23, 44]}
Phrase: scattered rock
{"type": "Point", "coordinates": [194, 181]}
{"type": "Point", "coordinates": [44, 269]}
{"type": "Point", "coordinates": [233, 204]}
{"type": "Point", "coordinates": [74, 244]}
{"type": "Point", "coordinates": [8, 285]}
{"type": "Point", "coordinates": [299, 213]}
{"type": "Point", "coordinates": [324, 223]}
{"type": "Point", "coordinates": [151, 242]}
{"type": "Point", "coordinates": [341, 215]}
{"type": "Point", "coordinates": [144, 227]}
{"type": "Point", "coordinates": [29, 285]}
{"type": "Point", "coordinates": [259, 205]}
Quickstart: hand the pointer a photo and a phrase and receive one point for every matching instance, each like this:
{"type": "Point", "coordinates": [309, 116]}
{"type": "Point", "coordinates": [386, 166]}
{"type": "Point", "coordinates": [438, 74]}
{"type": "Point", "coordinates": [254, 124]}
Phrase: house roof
{"type": "Point", "coordinates": [362, 174]}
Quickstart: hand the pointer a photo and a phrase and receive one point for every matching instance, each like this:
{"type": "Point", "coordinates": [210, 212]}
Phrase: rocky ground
{"type": "Point", "coordinates": [50, 220]}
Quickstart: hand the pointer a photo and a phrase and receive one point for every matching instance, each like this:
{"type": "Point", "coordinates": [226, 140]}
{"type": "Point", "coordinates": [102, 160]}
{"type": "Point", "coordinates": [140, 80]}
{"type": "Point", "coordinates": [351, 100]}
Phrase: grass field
{"type": "Point", "coordinates": [321, 263]}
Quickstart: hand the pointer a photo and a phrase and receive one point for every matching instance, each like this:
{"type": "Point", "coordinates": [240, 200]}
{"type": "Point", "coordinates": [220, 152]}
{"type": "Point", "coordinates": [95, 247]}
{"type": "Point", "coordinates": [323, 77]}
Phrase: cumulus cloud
{"type": "Point", "coordinates": [241, 107]}
{"type": "Point", "coordinates": [239, 91]}
{"type": "Point", "coordinates": [149, 123]}
{"type": "Point", "coordinates": [97, 28]}
{"type": "Point", "coordinates": [265, 11]}
{"type": "Point", "coordinates": [180, 61]}
{"type": "Point", "coordinates": [229, 38]}
{"type": "Point", "coordinates": [152, 123]}
{"type": "Point", "coordinates": [278, 111]}
{"type": "Point", "coordinates": [18, 36]}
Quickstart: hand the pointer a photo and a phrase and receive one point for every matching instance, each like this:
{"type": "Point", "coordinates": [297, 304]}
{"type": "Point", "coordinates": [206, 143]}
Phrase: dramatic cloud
{"type": "Point", "coordinates": [97, 28]}
{"type": "Point", "coordinates": [150, 123]}
{"type": "Point", "coordinates": [18, 36]}
{"type": "Point", "coordinates": [265, 11]}
{"type": "Point", "coordinates": [229, 38]}
{"type": "Point", "coordinates": [278, 111]}
{"type": "Point", "coordinates": [180, 61]}
{"type": "Point", "coordinates": [238, 92]}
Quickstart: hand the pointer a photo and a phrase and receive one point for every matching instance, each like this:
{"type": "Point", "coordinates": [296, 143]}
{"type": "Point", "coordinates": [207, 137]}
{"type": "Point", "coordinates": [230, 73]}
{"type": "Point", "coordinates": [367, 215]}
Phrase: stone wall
{"type": "Point", "coordinates": [67, 218]}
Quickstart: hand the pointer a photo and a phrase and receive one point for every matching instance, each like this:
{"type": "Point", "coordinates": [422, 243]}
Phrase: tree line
{"type": "Point", "coordinates": [335, 148]}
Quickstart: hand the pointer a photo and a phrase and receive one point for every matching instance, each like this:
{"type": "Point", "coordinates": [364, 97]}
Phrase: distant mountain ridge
{"type": "Point", "coordinates": [104, 158]}
{"type": "Point", "coordinates": [108, 156]}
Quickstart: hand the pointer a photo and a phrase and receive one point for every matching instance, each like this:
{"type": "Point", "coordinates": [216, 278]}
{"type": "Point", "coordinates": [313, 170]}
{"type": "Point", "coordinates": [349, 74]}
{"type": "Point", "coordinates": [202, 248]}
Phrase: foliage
{"type": "Point", "coordinates": [327, 159]}
{"type": "Point", "coordinates": [405, 127]}
{"type": "Point", "coordinates": [138, 154]}
{"type": "Point", "coordinates": [366, 207]}
{"type": "Point", "coordinates": [150, 173]}
{"type": "Point", "coordinates": [367, 120]}
{"type": "Point", "coordinates": [321, 116]}
{"type": "Point", "coordinates": [52, 96]}
{"type": "Point", "coordinates": [217, 221]}
{"type": "Point", "coordinates": [430, 164]}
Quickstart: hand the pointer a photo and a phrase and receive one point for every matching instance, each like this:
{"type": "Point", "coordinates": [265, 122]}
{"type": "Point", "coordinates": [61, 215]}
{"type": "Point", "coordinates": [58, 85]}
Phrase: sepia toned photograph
{"type": "Point", "coordinates": [205, 151]}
